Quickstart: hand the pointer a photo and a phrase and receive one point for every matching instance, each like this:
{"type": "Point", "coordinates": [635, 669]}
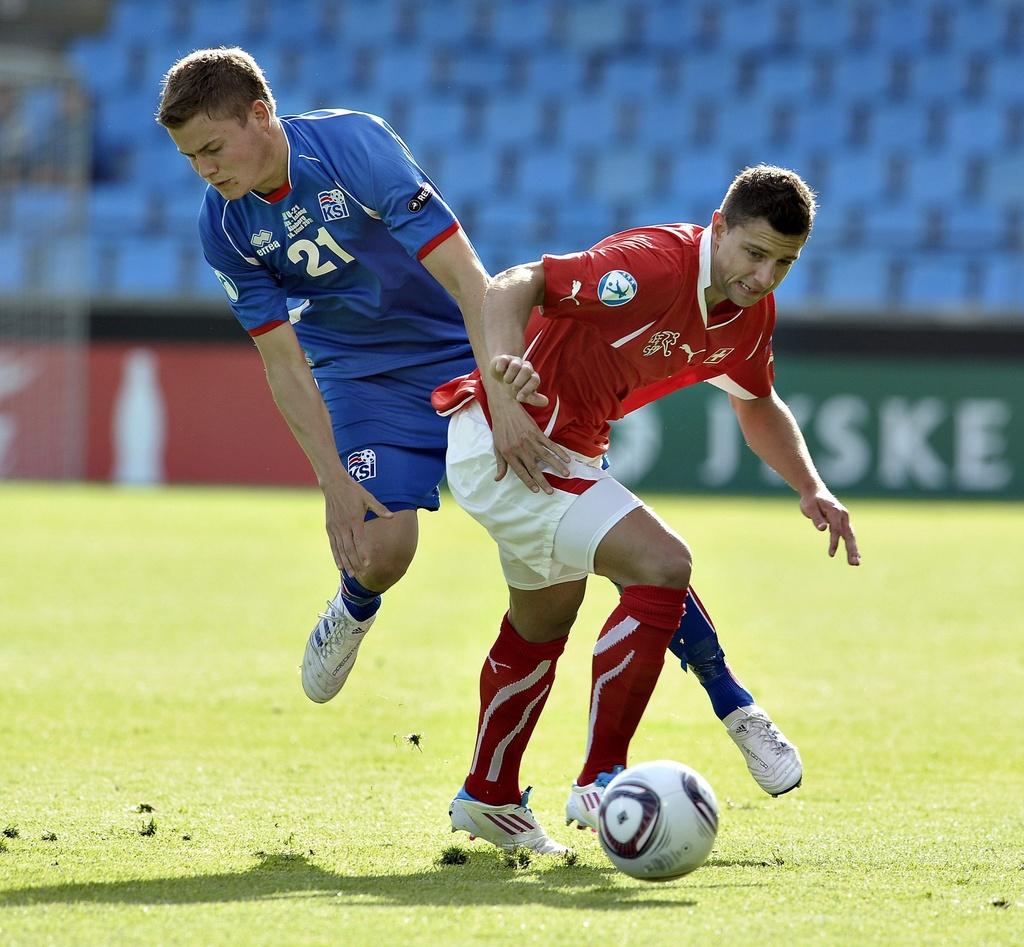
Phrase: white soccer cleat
{"type": "Point", "coordinates": [584, 801]}
{"type": "Point", "coordinates": [331, 651]}
{"type": "Point", "coordinates": [510, 826]}
{"type": "Point", "coordinates": [772, 760]}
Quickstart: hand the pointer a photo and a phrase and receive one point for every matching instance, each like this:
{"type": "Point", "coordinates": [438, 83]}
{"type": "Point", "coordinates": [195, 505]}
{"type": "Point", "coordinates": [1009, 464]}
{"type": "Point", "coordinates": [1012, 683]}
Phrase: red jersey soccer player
{"type": "Point", "coordinates": [641, 314]}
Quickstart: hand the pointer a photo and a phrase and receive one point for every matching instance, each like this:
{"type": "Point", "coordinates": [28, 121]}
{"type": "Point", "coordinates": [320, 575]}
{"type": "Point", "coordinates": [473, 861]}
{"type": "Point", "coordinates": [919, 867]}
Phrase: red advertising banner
{"type": "Point", "coordinates": [42, 410]}
{"type": "Point", "coordinates": [196, 413]}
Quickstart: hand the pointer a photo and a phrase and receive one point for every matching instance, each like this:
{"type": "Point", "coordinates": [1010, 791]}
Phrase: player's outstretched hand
{"type": "Point", "coordinates": [826, 512]}
{"type": "Point", "coordinates": [520, 445]}
{"type": "Point", "coordinates": [521, 378]}
{"type": "Point", "coordinates": [346, 527]}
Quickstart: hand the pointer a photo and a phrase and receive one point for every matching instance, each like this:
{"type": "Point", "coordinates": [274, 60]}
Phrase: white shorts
{"type": "Point", "coordinates": [542, 540]}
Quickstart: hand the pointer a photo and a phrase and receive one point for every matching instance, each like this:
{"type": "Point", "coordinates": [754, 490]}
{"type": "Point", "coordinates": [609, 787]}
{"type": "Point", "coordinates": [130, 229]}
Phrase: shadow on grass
{"type": "Point", "coordinates": [291, 875]}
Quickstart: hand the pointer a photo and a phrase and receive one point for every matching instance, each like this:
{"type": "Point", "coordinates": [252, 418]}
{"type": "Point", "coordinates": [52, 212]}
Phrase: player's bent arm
{"type": "Point", "coordinates": [455, 265]}
{"type": "Point", "coordinates": [507, 305]}
{"type": "Point", "coordinates": [772, 433]}
{"type": "Point", "coordinates": [298, 399]}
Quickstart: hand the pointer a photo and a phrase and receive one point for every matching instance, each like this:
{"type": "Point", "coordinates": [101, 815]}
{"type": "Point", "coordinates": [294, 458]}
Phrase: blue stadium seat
{"type": "Point", "coordinates": [934, 177]}
{"type": "Point", "coordinates": [856, 278]}
{"type": "Point", "coordinates": [819, 125]}
{"type": "Point", "coordinates": [466, 173]}
{"type": "Point", "coordinates": [938, 77]}
{"type": "Point", "coordinates": [13, 273]}
{"type": "Point", "coordinates": [436, 121]}
{"type": "Point", "coordinates": [699, 178]}
{"type": "Point", "coordinates": [669, 25]}
{"type": "Point", "coordinates": [621, 174]}
{"type": "Point", "coordinates": [143, 19]}
{"type": "Point", "coordinates": [854, 177]}
{"type": "Point", "coordinates": [147, 267]}
{"type": "Point", "coordinates": [556, 72]}
{"type": "Point", "coordinates": [225, 23]}
{"type": "Point", "coordinates": [462, 70]}
{"type": "Point", "coordinates": [502, 218]}
{"type": "Point", "coordinates": [935, 282]}
{"type": "Point", "coordinates": [121, 208]}
{"type": "Point", "coordinates": [548, 174]}
{"type": "Point", "coordinates": [578, 225]}
{"type": "Point", "coordinates": [977, 128]}
{"type": "Point", "coordinates": [825, 26]}
{"type": "Point", "coordinates": [898, 226]}
{"type": "Point", "coordinates": [1005, 180]}
{"type": "Point", "coordinates": [592, 121]}
{"type": "Point", "coordinates": [519, 121]}
{"type": "Point", "coordinates": [524, 25]}
{"type": "Point", "coordinates": [898, 26]}
{"type": "Point", "coordinates": [598, 25]}
{"type": "Point", "coordinates": [798, 78]}
{"type": "Point", "coordinates": [36, 208]}
{"type": "Point", "coordinates": [405, 72]}
{"type": "Point", "coordinates": [905, 126]}
{"type": "Point", "coordinates": [864, 75]}
{"type": "Point", "coordinates": [666, 122]}
{"type": "Point", "coordinates": [639, 77]}
{"type": "Point", "coordinates": [1003, 287]}
{"type": "Point", "coordinates": [296, 22]}
{"type": "Point", "coordinates": [1004, 78]}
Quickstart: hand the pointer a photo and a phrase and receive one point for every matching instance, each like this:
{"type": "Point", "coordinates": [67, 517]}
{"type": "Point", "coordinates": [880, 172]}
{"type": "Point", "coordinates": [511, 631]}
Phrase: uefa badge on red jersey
{"type": "Point", "coordinates": [616, 288]}
{"type": "Point", "coordinates": [333, 204]}
{"type": "Point", "coordinates": [362, 464]}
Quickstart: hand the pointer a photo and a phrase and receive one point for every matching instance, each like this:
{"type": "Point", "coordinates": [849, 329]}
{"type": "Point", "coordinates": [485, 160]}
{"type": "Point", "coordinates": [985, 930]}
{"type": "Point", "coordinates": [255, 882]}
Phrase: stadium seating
{"type": "Point", "coordinates": [546, 123]}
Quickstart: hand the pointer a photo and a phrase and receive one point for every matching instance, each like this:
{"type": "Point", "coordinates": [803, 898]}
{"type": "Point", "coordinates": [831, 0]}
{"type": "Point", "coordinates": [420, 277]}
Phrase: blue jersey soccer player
{"type": "Point", "coordinates": [348, 269]}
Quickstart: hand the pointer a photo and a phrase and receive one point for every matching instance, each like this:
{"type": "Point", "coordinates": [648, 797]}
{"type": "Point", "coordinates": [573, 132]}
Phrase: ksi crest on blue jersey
{"type": "Point", "coordinates": [362, 464]}
{"type": "Point", "coordinates": [333, 204]}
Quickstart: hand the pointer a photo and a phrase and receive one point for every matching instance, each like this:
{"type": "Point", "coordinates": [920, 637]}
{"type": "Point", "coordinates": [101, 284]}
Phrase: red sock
{"type": "Point", "coordinates": [628, 658]}
{"type": "Point", "coordinates": [514, 685]}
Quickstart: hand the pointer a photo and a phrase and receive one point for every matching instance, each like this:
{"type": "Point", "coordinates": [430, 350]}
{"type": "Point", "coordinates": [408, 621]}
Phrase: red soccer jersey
{"type": "Point", "coordinates": [625, 323]}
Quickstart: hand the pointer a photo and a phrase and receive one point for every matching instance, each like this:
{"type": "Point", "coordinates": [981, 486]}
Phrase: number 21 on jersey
{"type": "Point", "coordinates": [310, 249]}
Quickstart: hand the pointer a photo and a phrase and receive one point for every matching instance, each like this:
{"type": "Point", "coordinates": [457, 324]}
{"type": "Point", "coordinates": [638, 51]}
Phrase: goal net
{"type": "Point", "coordinates": [44, 174]}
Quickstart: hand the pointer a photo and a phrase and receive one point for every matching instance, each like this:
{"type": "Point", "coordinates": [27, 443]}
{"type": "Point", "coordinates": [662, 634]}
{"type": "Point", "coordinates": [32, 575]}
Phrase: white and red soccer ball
{"type": "Point", "coordinates": [658, 820]}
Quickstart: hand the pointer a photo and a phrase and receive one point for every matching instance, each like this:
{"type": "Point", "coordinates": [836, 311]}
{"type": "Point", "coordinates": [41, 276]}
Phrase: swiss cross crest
{"type": "Point", "coordinates": [661, 342]}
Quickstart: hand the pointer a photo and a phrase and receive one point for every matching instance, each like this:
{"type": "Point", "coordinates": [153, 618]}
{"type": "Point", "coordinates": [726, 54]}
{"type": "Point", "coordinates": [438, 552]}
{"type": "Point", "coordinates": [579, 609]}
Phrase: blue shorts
{"type": "Point", "coordinates": [388, 435]}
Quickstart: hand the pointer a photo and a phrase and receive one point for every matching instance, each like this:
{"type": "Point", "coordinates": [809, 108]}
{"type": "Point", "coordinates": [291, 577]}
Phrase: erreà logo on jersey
{"type": "Point", "coordinates": [362, 464]}
{"type": "Point", "coordinates": [616, 288]}
{"type": "Point", "coordinates": [333, 204]}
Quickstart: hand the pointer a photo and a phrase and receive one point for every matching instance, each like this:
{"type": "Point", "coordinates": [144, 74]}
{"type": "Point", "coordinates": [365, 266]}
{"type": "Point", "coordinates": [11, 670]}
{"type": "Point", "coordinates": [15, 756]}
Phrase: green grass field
{"type": "Point", "coordinates": [163, 780]}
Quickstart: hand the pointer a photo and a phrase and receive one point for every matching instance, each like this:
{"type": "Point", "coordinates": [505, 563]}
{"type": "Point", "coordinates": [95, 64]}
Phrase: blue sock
{"type": "Point", "coordinates": [360, 602]}
{"type": "Point", "coordinates": [696, 645]}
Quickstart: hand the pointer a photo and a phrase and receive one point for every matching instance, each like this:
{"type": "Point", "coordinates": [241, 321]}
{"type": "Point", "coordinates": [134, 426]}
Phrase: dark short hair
{"type": "Point", "coordinates": [778, 195]}
{"type": "Point", "coordinates": [221, 83]}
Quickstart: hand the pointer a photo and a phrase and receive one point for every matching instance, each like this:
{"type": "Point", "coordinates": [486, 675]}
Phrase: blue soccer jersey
{"type": "Point", "coordinates": [336, 250]}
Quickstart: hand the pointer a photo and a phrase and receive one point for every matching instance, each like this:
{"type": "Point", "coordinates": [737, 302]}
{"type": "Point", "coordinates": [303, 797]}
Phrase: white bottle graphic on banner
{"type": "Point", "coordinates": [140, 422]}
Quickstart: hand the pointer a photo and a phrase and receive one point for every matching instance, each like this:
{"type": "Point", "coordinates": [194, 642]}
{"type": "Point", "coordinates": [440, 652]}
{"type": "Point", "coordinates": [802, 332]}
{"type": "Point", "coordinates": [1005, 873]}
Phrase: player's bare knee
{"type": "Point", "coordinates": [540, 628]}
{"type": "Point", "coordinates": [385, 569]}
{"type": "Point", "coordinates": [668, 566]}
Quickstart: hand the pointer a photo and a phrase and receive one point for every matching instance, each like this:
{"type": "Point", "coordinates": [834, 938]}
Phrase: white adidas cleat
{"type": "Point", "coordinates": [584, 801]}
{"type": "Point", "coordinates": [772, 760]}
{"type": "Point", "coordinates": [331, 651]}
{"type": "Point", "coordinates": [510, 826]}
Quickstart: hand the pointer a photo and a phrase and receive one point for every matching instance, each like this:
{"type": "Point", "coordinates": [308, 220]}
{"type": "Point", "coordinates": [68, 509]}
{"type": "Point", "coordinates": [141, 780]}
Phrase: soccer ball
{"type": "Point", "coordinates": [658, 821]}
